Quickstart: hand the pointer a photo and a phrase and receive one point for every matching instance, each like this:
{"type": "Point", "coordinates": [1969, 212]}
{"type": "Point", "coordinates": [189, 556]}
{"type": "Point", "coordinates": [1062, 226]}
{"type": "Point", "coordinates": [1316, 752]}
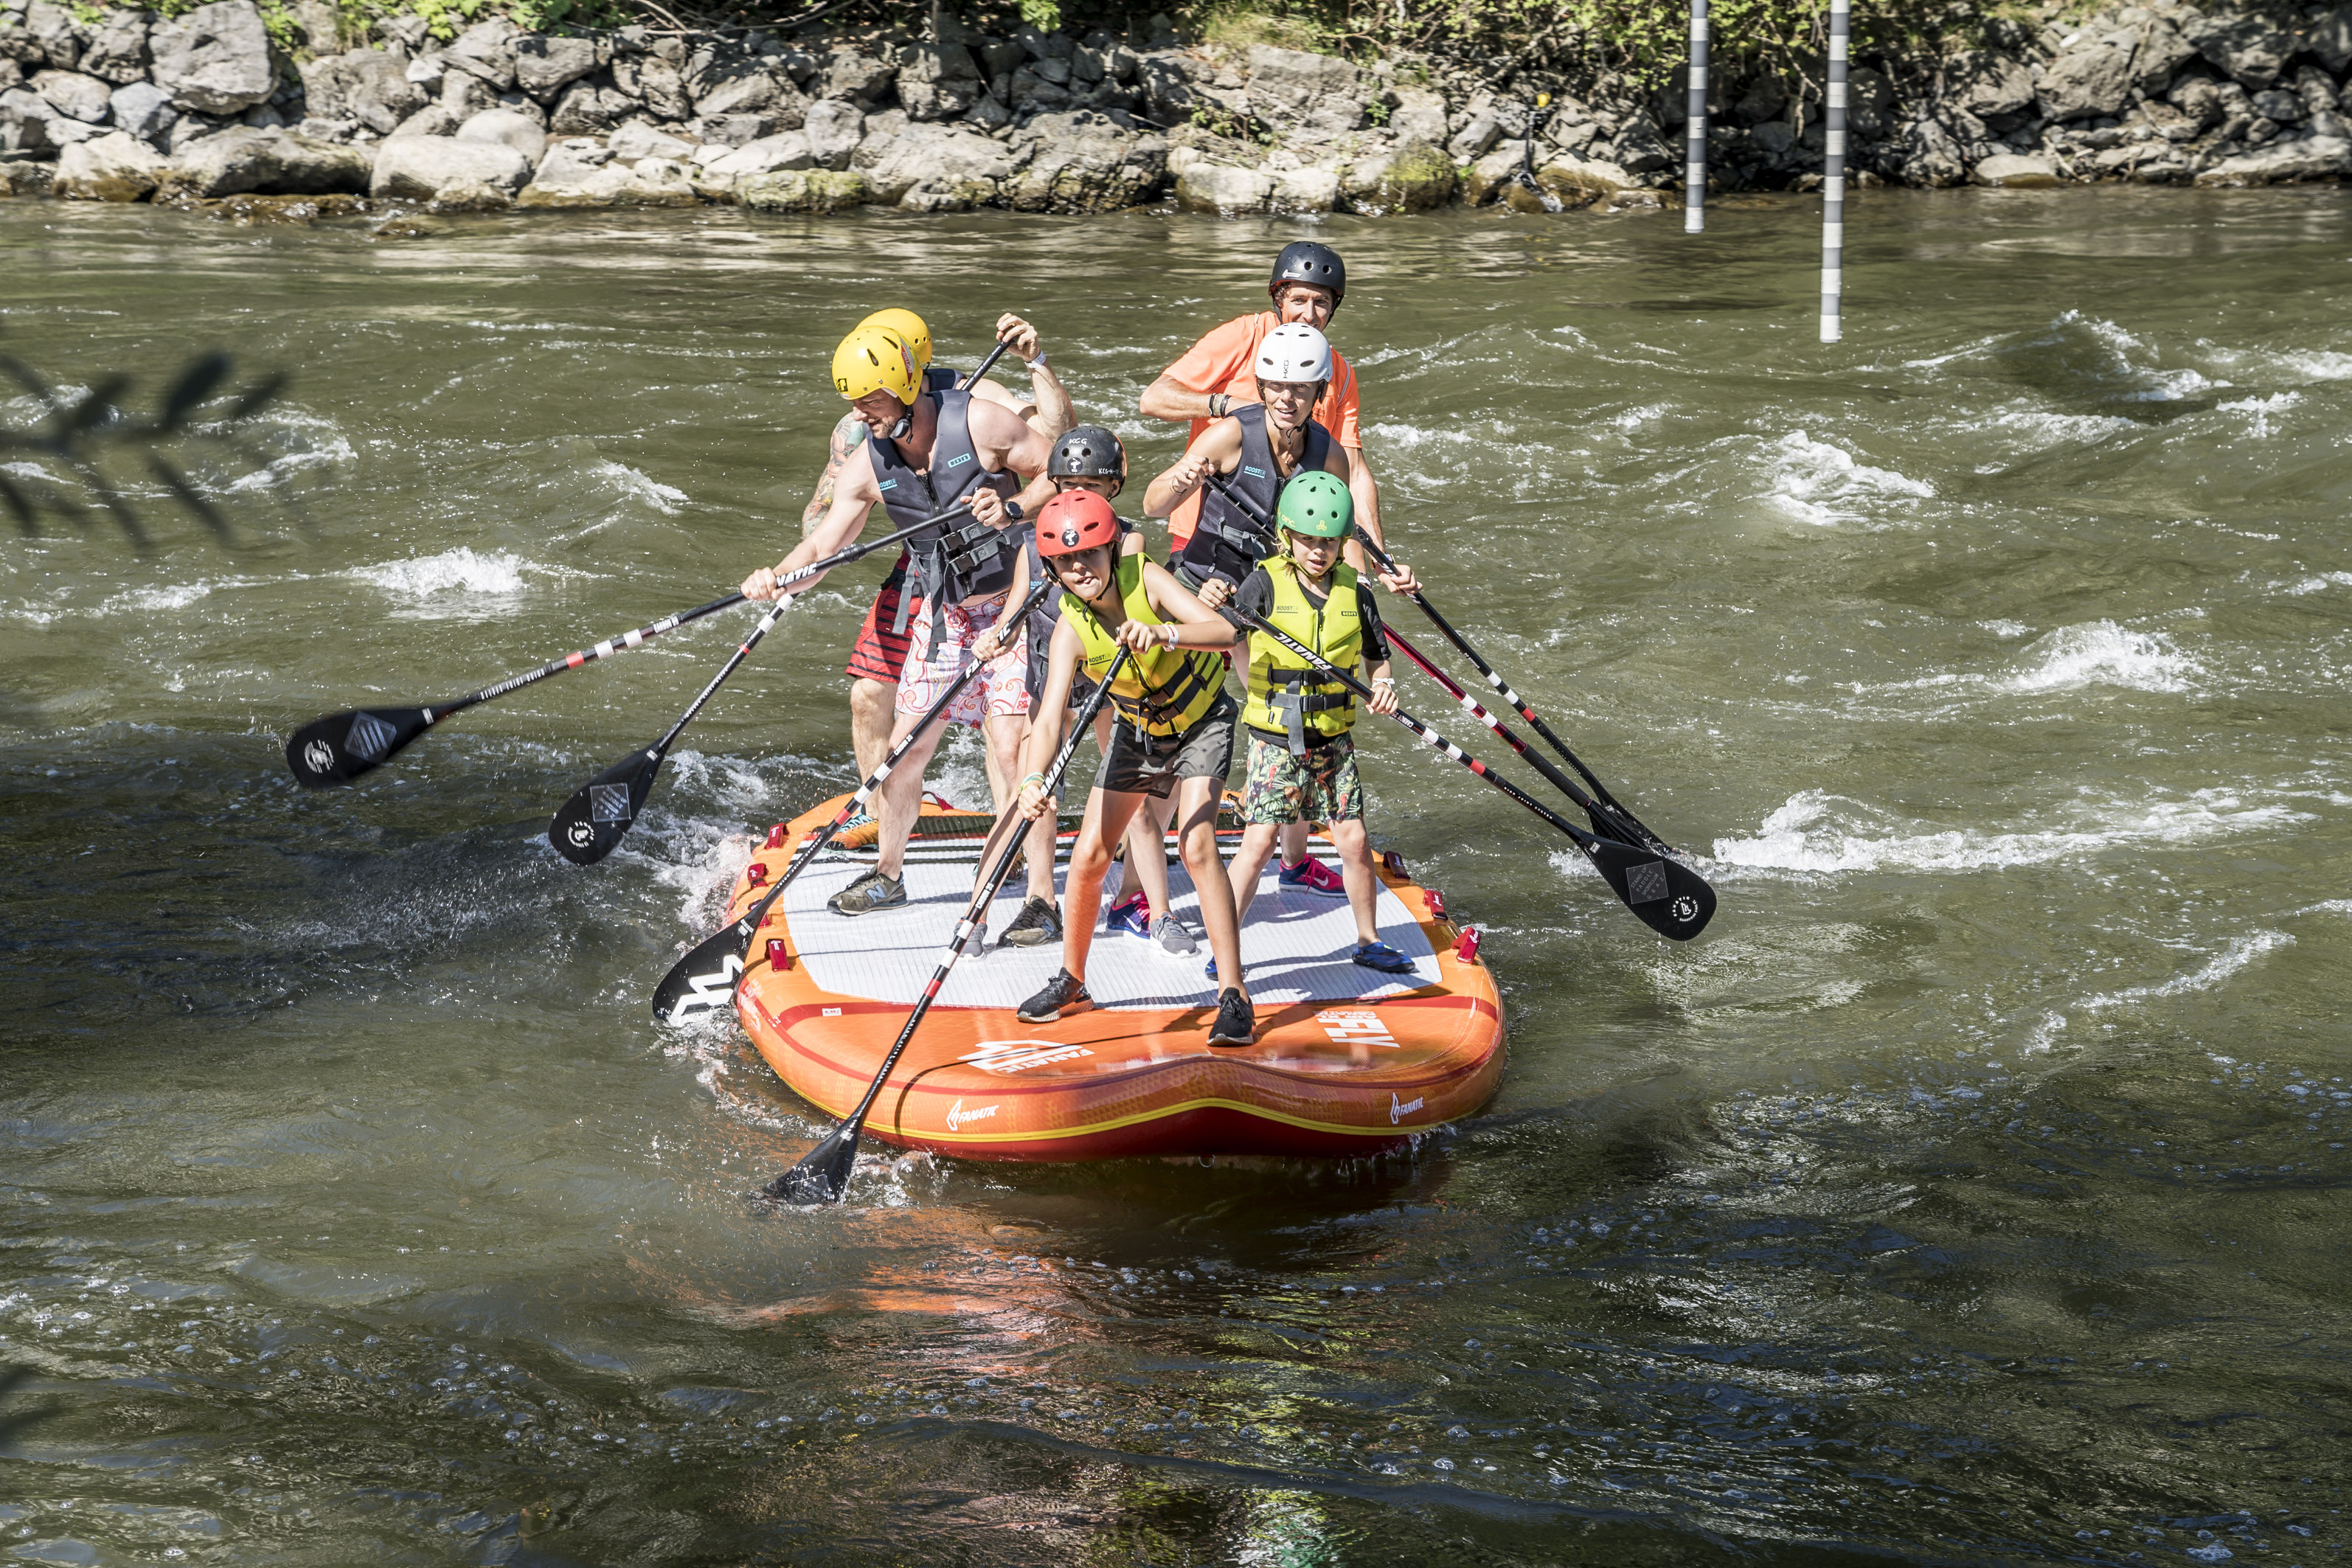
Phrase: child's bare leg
{"type": "Point", "coordinates": [1356, 870]}
{"type": "Point", "coordinates": [1249, 864]}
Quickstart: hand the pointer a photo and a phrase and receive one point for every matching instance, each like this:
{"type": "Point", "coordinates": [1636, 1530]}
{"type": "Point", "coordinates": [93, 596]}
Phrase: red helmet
{"type": "Point", "coordinates": [1075, 520]}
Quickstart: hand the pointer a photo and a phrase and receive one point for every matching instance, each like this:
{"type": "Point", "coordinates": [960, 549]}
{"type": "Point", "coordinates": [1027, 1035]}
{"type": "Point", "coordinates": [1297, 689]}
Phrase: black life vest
{"type": "Point", "coordinates": [1228, 542]}
{"type": "Point", "coordinates": [962, 557]}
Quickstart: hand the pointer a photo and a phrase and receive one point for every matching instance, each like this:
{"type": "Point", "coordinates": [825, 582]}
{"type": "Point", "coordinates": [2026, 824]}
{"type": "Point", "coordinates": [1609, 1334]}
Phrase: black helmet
{"type": "Point", "coordinates": [1088, 452]}
{"type": "Point", "coordinates": [1304, 261]}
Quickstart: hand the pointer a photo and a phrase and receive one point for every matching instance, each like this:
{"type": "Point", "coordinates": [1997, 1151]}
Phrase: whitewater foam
{"type": "Point", "coordinates": [1819, 832]}
{"type": "Point", "coordinates": [2261, 409]}
{"type": "Point", "coordinates": [635, 485]}
{"type": "Point", "coordinates": [2101, 653]}
{"type": "Point", "coordinates": [1823, 484]}
{"type": "Point", "coordinates": [425, 580]}
{"type": "Point", "coordinates": [2238, 952]}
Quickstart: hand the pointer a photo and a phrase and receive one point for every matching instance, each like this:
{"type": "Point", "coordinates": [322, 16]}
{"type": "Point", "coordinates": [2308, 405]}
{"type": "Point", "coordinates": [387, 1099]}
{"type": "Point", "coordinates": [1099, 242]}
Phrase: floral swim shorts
{"type": "Point", "coordinates": [1002, 687]}
{"type": "Point", "coordinates": [1320, 787]}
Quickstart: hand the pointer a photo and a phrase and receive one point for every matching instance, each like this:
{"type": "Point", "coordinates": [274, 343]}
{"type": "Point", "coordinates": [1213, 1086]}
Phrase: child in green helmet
{"type": "Point", "coordinates": [1302, 757]}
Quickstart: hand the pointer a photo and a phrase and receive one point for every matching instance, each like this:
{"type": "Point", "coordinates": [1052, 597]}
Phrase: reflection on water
{"type": "Point", "coordinates": [1969, 1193]}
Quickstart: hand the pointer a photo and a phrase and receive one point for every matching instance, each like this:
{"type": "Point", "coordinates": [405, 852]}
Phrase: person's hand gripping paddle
{"type": "Point", "coordinates": [823, 1174]}
{"type": "Point", "coordinates": [704, 980]}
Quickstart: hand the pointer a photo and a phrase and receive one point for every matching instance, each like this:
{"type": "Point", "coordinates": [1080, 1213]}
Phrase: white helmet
{"type": "Point", "coordinates": [1294, 352]}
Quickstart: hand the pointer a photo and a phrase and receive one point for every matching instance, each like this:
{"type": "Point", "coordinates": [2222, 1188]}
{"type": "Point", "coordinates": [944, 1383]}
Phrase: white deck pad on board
{"type": "Point", "coordinates": [1295, 947]}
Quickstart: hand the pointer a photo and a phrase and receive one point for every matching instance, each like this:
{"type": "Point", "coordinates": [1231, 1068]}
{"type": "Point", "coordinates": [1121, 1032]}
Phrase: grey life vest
{"type": "Point", "coordinates": [960, 557]}
{"type": "Point", "coordinates": [1228, 542]}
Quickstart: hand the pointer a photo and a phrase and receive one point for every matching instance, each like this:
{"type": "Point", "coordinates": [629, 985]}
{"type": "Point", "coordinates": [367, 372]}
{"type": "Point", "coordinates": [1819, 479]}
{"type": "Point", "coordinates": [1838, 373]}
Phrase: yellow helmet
{"type": "Point", "coordinates": [909, 326]}
{"type": "Point", "coordinates": [876, 359]}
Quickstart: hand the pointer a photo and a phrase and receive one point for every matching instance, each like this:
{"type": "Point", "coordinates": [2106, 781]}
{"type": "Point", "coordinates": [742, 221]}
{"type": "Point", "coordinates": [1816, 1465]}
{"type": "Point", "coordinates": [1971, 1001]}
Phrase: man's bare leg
{"type": "Point", "coordinates": [872, 721]}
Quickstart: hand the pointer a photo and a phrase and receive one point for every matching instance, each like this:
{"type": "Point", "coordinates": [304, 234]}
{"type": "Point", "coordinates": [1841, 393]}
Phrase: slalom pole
{"type": "Point", "coordinates": [1695, 154]}
{"type": "Point", "coordinates": [1833, 177]}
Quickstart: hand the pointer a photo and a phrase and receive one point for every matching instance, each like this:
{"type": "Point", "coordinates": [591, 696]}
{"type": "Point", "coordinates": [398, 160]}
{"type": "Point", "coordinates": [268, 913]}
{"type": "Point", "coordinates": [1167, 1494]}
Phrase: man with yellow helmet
{"type": "Point", "coordinates": [880, 652]}
{"type": "Point", "coordinates": [927, 450]}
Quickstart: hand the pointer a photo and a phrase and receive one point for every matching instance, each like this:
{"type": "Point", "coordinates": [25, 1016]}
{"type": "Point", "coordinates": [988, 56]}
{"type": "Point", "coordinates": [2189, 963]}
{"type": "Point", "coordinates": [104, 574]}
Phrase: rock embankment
{"type": "Point", "coordinates": [203, 108]}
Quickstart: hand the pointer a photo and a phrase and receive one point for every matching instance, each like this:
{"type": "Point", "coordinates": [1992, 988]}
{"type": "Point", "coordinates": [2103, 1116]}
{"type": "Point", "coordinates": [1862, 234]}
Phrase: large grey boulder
{"type": "Point", "coordinates": [2329, 40]}
{"type": "Point", "coordinates": [2246, 49]}
{"type": "Point", "coordinates": [585, 109]}
{"type": "Point", "coordinates": [56, 38]}
{"type": "Point", "coordinates": [1305, 94]}
{"type": "Point", "coordinates": [2019, 170]}
{"type": "Point", "coordinates": [788, 149]}
{"type": "Point", "coordinates": [84, 97]}
{"type": "Point", "coordinates": [803, 191]}
{"type": "Point", "coordinates": [859, 78]}
{"type": "Point", "coordinates": [143, 109]}
{"type": "Point", "coordinates": [268, 162]}
{"type": "Point", "coordinates": [116, 167]}
{"type": "Point", "coordinates": [367, 86]}
{"type": "Point", "coordinates": [545, 65]}
{"type": "Point", "coordinates": [651, 183]}
{"type": "Point", "coordinates": [1412, 177]}
{"type": "Point", "coordinates": [2162, 52]}
{"type": "Point", "coordinates": [30, 124]}
{"type": "Point", "coordinates": [2087, 81]}
{"type": "Point", "coordinates": [1987, 84]}
{"type": "Point", "coordinates": [1926, 155]}
{"type": "Point", "coordinates": [1223, 188]}
{"type": "Point", "coordinates": [740, 89]}
{"type": "Point", "coordinates": [957, 168]}
{"type": "Point", "coordinates": [2286, 159]}
{"type": "Point", "coordinates": [215, 60]}
{"type": "Point", "coordinates": [430, 121]}
{"type": "Point", "coordinates": [639, 140]}
{"type": "Point", "coordinates": [117, 49]}
{"type": "Point", "coordinates": [835, 129]}
{"type": "Point", "coordinates": [23, 177]}
{"type": "Point", "coordinates": [938, 81]}
{"type": "Point", "coordinates": [569, 161]}
{"type": "Point", "coordinates": [417, 168]}
{"type": "Point", "coordinates": [1418, 115]}
{"type": "Point", "coordinates": [486, 51]}
{"type": "Point", "coordinates": [654, 82]}
{"type": "Point", "coordinates": [505, 127]}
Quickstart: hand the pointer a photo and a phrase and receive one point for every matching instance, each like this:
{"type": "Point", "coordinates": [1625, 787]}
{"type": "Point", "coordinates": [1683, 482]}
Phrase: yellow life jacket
{"type": "Point", "coordinates": [1286, 695]}
{"type": "Point", "coordinates": [1163, 692]}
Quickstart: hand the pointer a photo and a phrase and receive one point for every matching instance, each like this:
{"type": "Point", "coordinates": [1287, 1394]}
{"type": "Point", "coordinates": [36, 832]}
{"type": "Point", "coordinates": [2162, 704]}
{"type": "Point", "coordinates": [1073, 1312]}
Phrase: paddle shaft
{"type": "Point", "coordinates": [1421, 732]}
{"type": "Point", "coordinates": [1470, 705]}
{"type": "Point", "coordinates": [983, 896]}
{"type": "Point", "coordinates": [875, 781]}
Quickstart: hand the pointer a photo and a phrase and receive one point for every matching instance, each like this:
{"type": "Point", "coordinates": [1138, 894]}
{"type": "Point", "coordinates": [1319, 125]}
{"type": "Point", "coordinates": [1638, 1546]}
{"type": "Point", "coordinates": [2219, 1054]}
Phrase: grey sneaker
{"type": "Point", "coordinates": [1037, 923]}
{"type": "Point", "coordinates": [1063, 991]}
{"type": "Point", "coordinates": [871, 892]}
{"type": "Point", "coordinates": [1171, 934]}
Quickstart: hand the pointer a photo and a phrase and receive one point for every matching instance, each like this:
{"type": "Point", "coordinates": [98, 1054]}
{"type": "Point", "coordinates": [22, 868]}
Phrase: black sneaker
{"type": "Point", "coordinates": [1037, 923]}
{"type": "Point", "coordinates": [1236, 1020]}
{"type": "Point", "coordinates": [1063, 991]}
{"type": "Point", "coordinates": [870, 892]}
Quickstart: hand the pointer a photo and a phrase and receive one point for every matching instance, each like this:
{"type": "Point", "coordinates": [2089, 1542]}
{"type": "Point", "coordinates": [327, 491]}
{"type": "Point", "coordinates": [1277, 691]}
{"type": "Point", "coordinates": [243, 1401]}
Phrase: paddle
{"type": "Point", "coordinates": [1631, 827]}
{"type": "Point", "coordinates": [340, 747]}
{"type": "Point", "coordinates": [704, 980]}
{"type": "Point", "coordinates": [1602, 821]}
{"type": "Point", "coordinates": [1664, 894]}
{"type": "Point", "coordinates": [823, 1174]}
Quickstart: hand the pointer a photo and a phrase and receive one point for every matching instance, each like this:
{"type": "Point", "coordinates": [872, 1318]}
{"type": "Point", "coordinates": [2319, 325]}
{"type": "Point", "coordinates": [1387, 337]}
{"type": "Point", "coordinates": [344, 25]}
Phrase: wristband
{"type": "Point", "coordinates": [1037, 779]}
{"type": "Point", "coordinates": [1037, 364]}
{"type": "Point", "coordinates": [1383, 680]}
{"type": "Point", "coordinates": [1218, 404]}
{"type": "Point", "coordinates": [1169, 628]}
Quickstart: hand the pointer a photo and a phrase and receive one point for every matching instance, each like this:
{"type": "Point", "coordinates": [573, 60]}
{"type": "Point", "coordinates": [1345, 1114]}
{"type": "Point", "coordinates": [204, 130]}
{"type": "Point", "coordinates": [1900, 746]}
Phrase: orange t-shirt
{"type": "Point", "coordinates": [1221, 362]}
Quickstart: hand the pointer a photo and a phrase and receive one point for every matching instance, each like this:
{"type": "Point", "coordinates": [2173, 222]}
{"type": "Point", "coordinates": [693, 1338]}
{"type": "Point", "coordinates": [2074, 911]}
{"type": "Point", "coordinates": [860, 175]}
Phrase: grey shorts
{"type": "Point", "coordinates": [1137, 765]}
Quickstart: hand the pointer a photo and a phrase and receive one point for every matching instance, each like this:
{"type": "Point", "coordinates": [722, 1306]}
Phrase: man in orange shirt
{"type": "Point", "coordinates": [1216, 375]}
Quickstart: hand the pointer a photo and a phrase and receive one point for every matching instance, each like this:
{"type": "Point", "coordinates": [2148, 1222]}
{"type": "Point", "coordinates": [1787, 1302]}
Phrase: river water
{"type": "Point", "coordinates": [1973, 1190]}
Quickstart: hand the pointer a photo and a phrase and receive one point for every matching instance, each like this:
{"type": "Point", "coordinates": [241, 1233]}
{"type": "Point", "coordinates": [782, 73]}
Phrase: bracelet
{"type": "Point", "coordinates": [1039, 779]}
{"type": "Point", "coordinates": [1383, 680]}
{"type": "Point", "coordinates": [1218, 404]}
{"type": "Point", "coordinates": [1036, 363]}
{"type": "Point", "coordinates": [1169, 628]}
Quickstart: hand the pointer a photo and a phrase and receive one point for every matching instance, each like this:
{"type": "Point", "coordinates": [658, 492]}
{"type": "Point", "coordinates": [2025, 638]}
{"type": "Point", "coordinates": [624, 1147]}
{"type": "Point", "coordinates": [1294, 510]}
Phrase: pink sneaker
{"type": "Point", "coordinates": [1311, 876]}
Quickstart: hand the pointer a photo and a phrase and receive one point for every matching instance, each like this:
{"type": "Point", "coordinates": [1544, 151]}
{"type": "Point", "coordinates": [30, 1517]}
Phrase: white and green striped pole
{"type": "Point", "coordinates": [1694, 149]}
{"type": "Point", "coordinates": [1833, 178]}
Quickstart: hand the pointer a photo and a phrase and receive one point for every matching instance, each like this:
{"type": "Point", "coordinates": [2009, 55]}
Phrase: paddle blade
{"type": "Point", "coordinates": [704, 980]}
{"type": "Point", "coordinates": [589, 825]}
{"type": "Point", "coordinates": [1664, 895]}
{"type": "Point", "coordinates": [340, 747]}
{"type": "Point", "coordinates": [822, 1174]}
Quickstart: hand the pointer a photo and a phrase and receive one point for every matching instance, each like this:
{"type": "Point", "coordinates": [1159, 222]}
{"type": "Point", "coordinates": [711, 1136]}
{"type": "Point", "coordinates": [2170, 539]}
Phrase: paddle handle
{"type": "Point", "coordinates": [986, 364]}
{"type": "Point", "coordinates": [1470, 705]}
{"type": "Point", "coordinates": [986, 894]}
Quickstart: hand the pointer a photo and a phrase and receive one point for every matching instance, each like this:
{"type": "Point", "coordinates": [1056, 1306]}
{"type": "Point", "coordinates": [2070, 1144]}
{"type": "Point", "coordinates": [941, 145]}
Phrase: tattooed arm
{"type": "Point", "coordinates": [847, 437]}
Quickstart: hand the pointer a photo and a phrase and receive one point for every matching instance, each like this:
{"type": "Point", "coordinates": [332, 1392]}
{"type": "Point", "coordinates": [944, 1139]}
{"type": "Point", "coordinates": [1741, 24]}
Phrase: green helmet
{"type": "Point", "coordinates": [1316, 504]}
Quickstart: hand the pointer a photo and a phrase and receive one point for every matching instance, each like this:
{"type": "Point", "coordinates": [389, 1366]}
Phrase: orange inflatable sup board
{"type": "Point", "coordinates": [1348, 1062]}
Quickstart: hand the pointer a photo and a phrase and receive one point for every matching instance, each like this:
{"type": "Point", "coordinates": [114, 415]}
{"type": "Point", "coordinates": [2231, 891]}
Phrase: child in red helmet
{"type": "Point", "coordinates": [1174, 733]}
